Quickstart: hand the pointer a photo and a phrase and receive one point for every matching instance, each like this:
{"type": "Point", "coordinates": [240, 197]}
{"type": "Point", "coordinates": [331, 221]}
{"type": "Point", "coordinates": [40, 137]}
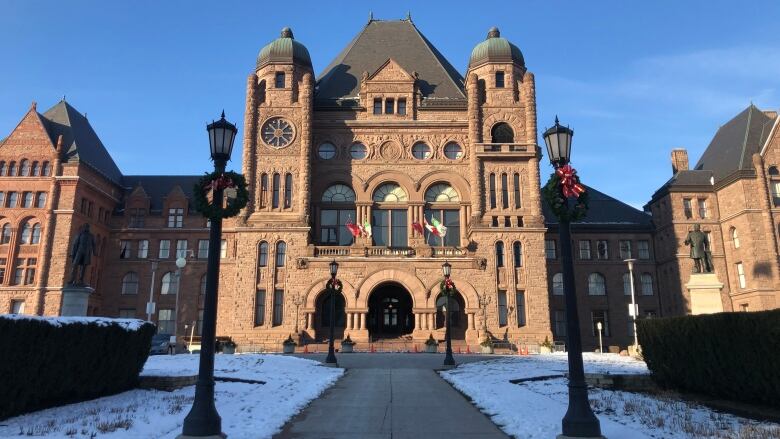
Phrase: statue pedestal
{"type": "Point", "coordinates": [75, 300]}
{"type": "Point", "coordinates": [704, 290]}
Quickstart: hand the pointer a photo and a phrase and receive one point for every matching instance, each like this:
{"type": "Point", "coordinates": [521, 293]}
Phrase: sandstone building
{"type": "Point", "coordinates": [391, 134]}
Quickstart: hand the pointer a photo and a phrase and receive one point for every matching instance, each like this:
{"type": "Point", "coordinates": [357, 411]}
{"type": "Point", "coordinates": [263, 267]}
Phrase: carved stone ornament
{"type": "Point", "coordinates": [302, 263]}
{"type": "Point", "coordinates": [480, 263]}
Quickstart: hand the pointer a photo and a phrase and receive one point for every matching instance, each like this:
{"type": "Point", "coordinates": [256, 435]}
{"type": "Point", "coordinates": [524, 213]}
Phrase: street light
{"type": "Point", "coordinates": [579, 420]}
{"type": "Point", "coordinates": [634, 308]}
{"type": "Point", "coordinates": [334, 269]}
{"type": "Point", "coordinates": [446, 269]}
{"type": "Point", "coordinates": [203, 419]}
{"type": "Point", "coordinates": [181, 262]}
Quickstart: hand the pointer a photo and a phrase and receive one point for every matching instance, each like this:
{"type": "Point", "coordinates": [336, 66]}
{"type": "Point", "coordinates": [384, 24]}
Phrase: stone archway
{"type": "Point", "coordinates": [322, 316]}
{"type": "Point", "coordinates": [390, 312]}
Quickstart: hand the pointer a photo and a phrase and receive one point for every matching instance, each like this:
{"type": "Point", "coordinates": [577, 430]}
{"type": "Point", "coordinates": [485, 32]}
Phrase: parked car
{"type": "Point", "coordinates": [160, 343]}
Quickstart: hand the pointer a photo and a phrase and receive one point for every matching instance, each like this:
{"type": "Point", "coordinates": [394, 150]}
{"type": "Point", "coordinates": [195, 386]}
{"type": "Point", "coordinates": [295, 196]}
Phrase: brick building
{"type": "Point", "coordinates": [389, 133]}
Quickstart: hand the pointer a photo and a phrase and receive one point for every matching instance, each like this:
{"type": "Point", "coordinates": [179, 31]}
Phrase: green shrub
{"type": "Point", "coordinates": [727, 355]}
{"type": "Point", "coordinates": [53, 361]}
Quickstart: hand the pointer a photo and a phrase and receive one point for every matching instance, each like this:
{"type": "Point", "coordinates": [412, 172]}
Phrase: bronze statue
{"type": "Point", "coordinates": [700, 251]}
{"type": "Point", "coordinates": [81, 254]}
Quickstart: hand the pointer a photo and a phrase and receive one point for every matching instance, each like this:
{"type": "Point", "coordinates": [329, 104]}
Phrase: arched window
{"type": "Point", "coordinates": [281, 250]}
{"type": "Point", "coordinates": [647, 284]}
{"type": "Point", "coordinates": [517, 253]}
{"type": "Point", "coordinates": [499, 254]}
{"type": "Point", "coordinates": [27, 199]}
{"type": "Point", "coordinates": [516, 188]}
{"type": "Point", "coordinates": [36, 234]}
{"type": "Point", "coordinates": [502, 133]}
{"type": "Point", "coordinates": [24, 168]}
{"type": "Point", "coordinates": [504, 191]}
{"type": "Point", "coordinates": [263, 190]}
{"type": "Point", "coordinates": [262, 258]}
{"type": "Point", "coordinates": [41, 200]}
{"type": "Point", "coordinates": [338, 193]}
{"type": "Point", "coordinates": [773, 170]}
{"type": "Point", "coordinates": [557, 285]}
{"type": "Point", "coordinates": [3, 169]}
{"type": "Point", "coordinates": [275, 196]}
{"type": "Point", "coordinates": [627, 284]}
{"type": "Point", "coordinates": [12, 169]}
{"type": "Point", "coordinates": [203, 285]}
{"type": "Point", "coordinates": [441, 192]}
{"type": "Point", "coordinates": [169, 285]}
{"type": "Point", "coordinates": [6, 236]}
{"type": "Point", "coordinates": [288, 190]}
{"type": "Point", "coordinates": [46, 169]}
{"type": "Point", "coordinates": [735, 237]}
{"type": "Point", "coordinates": [36, 169]}
{"type": "Point", "coordinates": [597, 285]}
{"type": "Point", "coordinates": [388, 225]}
{"type": "Point", "coordinates": [130, 283]}
{"type": "Point", "coordinates": [390, 193]}
{"type": "Point", "coordinates": [261, 91]}
{"type": "Point", "coordinates": [26, 232]}
{"type": "Point", "coordinates": [492, 188]}
{"type": "Point", "coordinates": [334, 218]}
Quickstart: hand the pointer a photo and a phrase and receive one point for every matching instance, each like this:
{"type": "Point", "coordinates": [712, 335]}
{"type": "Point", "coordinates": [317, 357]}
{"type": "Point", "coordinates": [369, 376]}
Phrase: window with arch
{"type": "Point", "coordinates": [27, 233]}
{"type": "Point", "coordinates": [6, 235]}
{"type": "Point", "coordinates": [281, 253]}
{"type": "Point", "coordinates": [262, 257]}
{"type": "Point", "coordinates": [517, 253]}
{"type": "Point", "coordinates": [557, 284]}
{"type": "Point", "coordinates": [288, 190]}
{"type": "Point", "coordinates": [502, 133]}
{"type": "Point", "coordinates": [390, 193]}
{"type": "Point", "coordinates": [263, 190]}
{"type": "Point", "coordinates": [441, 192]}
{"type": "Point", "coordinates": [358, 151]}
{"type": "Point", "coordinates": [326, 151]}
{"type": "Point", "coordinates": [275, 196]}
{"type": "Point", "coordinates": [492, 189]}
{"type": "Point", "coordinates": [24, 168]}
{"type": "Point", "coordinates": [3, 169]}
{"type": "Point", "coordinates": [389, 225]}
{"type": "Point", "coordinates": [36, 234]}
{"type": "Point", "coordinates": [735, 237]}
{"type": "Point", "coordinates": [46, 169]}
{"type": "Point", "coordinates": [453, 151]}
{"type": "Point", "coordinates": [169, 284]}
{"type": "Point", "coordinates": [597, 285]}
{"type": "Point", "coordinates": [773, 170]}
{"type": "Point", "coordinates": [27, 199]}
{"type": "Point", "coordinates": [449, 218]}
{"type": "Point", "coordinates": [13, 199]}
{"type": "Point", "coordinates": [504, 191]}
{"type": "Point", "coordinates": [421, 151]}
{"type": "Point", "coordinates": [203, 285]}
{"type": "Point", "coordinates": [499, 254]}
{"type": "Point", "coordinates": [626, 284]}
{"type": "Point", "coordinates": [261, 91]}
{"type": "Point", "coordinates": [130, 283]}
{"type": "Point", "coordinates": [12, 169]}
{"type": "Point", "coordinates": [646, 280]}
{"type": "Point", "coordinates": [337, 210]}
{"type": "Point", "coordinates": [40, 201]}
{"type": "Point", "coordinates": [516, 189]}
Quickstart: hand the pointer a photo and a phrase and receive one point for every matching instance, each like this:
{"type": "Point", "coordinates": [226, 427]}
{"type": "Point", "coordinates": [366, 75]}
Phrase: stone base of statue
{"type": "Point", "coordinates": [704, 290]}
{"type": "Point", "coordinates": [75, 299]}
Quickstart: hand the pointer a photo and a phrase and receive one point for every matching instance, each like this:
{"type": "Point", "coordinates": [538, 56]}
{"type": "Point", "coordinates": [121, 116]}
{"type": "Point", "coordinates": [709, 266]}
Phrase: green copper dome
{"type": "Point", "coordinates": [495, 49]}
{"type": "Point", "coordinates": [284, 50]}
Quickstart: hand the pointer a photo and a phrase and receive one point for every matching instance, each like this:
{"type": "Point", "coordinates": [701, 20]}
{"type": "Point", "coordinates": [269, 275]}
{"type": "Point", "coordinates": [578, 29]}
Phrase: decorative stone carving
{"type": "Point", "coordinates": [302, 263]}
{"type": "Point", "coordinates": [480, 263]}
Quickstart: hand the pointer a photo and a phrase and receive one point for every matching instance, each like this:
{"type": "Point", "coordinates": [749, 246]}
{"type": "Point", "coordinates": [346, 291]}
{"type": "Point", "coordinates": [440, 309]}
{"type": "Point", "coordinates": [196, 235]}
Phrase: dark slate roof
{"type": "Point", "coordinates": [607, 212]}
{"type": "Point", "coordinates": [735, 143]}
{"type": "Point", "coordinates": [80, 141]}
{"type": "Point", "coordinates": [378, 41]}
{"type": "Point", "coordinates": [158, 187]}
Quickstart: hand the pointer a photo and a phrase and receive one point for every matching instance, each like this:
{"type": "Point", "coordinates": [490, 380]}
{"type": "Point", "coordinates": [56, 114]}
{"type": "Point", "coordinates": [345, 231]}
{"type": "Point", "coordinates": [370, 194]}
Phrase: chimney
{"type": "Point", "coordinates": [679, 160]}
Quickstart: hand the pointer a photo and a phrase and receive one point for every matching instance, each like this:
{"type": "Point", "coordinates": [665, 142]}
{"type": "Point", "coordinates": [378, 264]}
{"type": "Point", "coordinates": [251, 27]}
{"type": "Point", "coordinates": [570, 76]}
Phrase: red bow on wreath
{"type": "Point", "coordinates": [221, 182]}
{"type": "Point", "coordinates": [570, 185]}
{"type": "Point", "coordinates": [448, 284]}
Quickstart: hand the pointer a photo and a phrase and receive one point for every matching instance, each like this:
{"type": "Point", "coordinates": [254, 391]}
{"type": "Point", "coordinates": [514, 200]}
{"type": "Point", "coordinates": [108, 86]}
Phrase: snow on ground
{"type": "Point", "coordinates": [534, 409]}
{"type": "Point", "coordinates": [247, 410]}
{"type": "Point", "coordinates": [127, 324]}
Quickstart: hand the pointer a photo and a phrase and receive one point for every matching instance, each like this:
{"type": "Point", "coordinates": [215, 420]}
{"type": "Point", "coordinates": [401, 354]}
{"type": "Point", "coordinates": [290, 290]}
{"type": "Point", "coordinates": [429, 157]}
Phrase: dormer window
{"type": "Point", "coordinates": [402, 106]}
{"type": "Point", "coordinates": [279, 80]}
{"type": "Point", "coordinates": [377, 106]}
{"type": "Point", "coordinates": [499, 79]}
{"type": "Point", "coordinates": [389, 105]}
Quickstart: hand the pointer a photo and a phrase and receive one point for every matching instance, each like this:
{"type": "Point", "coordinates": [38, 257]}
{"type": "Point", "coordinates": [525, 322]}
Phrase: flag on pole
{"type": "Point", "coordinates": [431, 228]}
{"type": "Point", "coordinates": [418, 228]}
{"type": "Point", "coordinates": [440, 228]}
{"type": "Point", "coordinates": [367, 228]}
{"type": "Point", "coordinates": [353, 228]}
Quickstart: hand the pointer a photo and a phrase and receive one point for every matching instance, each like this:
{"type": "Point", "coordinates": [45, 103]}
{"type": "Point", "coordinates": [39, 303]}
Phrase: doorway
{"type": "Point", "coordinates": [390, 312]}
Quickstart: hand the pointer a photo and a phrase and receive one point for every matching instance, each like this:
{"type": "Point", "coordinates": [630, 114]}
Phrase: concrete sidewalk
{"type": "Point", "coordinates": [373, 403]}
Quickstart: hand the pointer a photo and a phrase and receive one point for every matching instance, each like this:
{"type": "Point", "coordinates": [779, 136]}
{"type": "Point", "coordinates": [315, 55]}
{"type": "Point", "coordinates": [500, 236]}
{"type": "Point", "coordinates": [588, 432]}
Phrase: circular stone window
{"type": "Point", "coordinates": [421, 151]}
{"type": "Point", "coordinates": [277, 132]}
{"type": "Point", "coordinates": [453, 151]}
{"type": "Point", "coordinates": [358, 151]}
{"type": "Point", "coordinates": [326, 151]}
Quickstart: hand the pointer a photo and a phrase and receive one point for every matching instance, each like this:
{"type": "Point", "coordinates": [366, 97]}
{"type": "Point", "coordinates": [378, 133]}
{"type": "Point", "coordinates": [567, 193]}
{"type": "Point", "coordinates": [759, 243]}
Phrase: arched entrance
{"type": "Point", "coordinates": [322, 327]}
{"type": "Point", "coordinates": [457, 314]}
{"type": "Point", "coordinates": [390, 312]}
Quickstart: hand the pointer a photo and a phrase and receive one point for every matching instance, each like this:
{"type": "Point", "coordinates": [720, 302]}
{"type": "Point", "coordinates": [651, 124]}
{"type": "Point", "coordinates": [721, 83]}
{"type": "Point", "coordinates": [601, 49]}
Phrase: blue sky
{"type": "Point", "coordinates": [633, 79]}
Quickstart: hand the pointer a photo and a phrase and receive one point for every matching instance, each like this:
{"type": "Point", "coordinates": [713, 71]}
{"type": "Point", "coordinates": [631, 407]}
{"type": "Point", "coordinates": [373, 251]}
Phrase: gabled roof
{"type": "Point", "coordinates": [735, 143]}
{"type": "Point", "coordinates": [157, 187]}
{"type": "Point", "coordinates": [378, 41]}
{"type": "Point", "coordinates": [605, 211]}
{"type": "Point", "coordinates": [80, 142]}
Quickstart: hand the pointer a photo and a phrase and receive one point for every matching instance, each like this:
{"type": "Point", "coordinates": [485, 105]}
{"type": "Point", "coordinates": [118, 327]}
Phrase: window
{"type": "Point", "coordinates": [776, 194]}
{"type": "Point", "coordinates": [421, 151]}
{"type": "Point", "coordinates": [520, 300]}
{"type": "Point", "coordinates": [3, 169]}
{"type": "Point", "coordinates": [29, 277]}
{"type": "Point", "coordinates": [130, 283]}
{"type": "Point", "coordinates": [275, 196]}
{"type": "Point", "coordinates": [499, 79]}
{"type": "Point", "coordinates": [559, 318]}
{"type": "Point", "coordinates": [494, 221]}
{"type": "Point", "coordinates": [137, 218]}
{"type": "Point", "coordinates": [377, 106]}
{"type": "Point", "coordinates": [333, 226]}
{"type": "Point", "coordinates": [26, 233]}
{"type": "Point", "coordinates": [389, 106]}
{"type": "Point", "coordinates": [288, 190]}
{"type": "Point", "coordinates": [17, 307]}
{"type": "Point", "coordinates": [6, 237]}
{"type": "Point", "coordinates": [12, 169]}
{"type": "Point", "coordinates": [702, 208]}
{"type": "Point", "coordinates": [165, 323]}
{"type": "Point", "coordinates": [3, 261]}
{"type": "Point", "coordinates": [597, 317]}
{"type": "Point", "coordinates": [516, 188]}
{"type": "Point", "coordinates": [27, 199]}
{"type": "Point", "coordinates": [741, 275]}
{"type": "Point", "coordinates": [24, 168]}
{"type": "Point", "coordinates": [735, 237]}
{"type": "Point", "coordinates": [263, 190]}
{"type": "Point", "coordinates": [223, 248]}
{"type": "Point", "coordinates": [165, 249]}
{"type": "Point", "coordinates": [2, 199]}
{"type": "Point", "coordinates": [46, 169]}
{"type": "Point", "coordinates": [596, 285]}
{"type": "Point", "coordinates": [492, 187]}
{"type": "Point", "coordinates": [502, 309]}
{"type": "Point", "coordinates": [278, 307]}
{"type": "Point", "coordinates": [390, 193]}
{"type": "Point", "coordinates": [169, 284]}
{"type": "Point", "coordinates": [260, 308]}
{"type": "Point", "coordinates": [40, 202]}
{"type": "Point", "coordinates": [199, 323]}
{"type": "Point", "coordinates": [441, 192]}
{"type": "Point", "coordinates": [626, 284]}
{"type": "Point", "coordinates": [12, 199]}
{"type": "Point", "coordinates": [453, 151]}
{"type": "Point", "coordinates": [126, 313]}
{"type": "Point", "coordinates": [557, 284]}
{"type": "Point", "coordinates": [499, 254]}
{"type": "Point", "coordinates": [143, 249]}
{"type": "Point", "coordinates": [36, 169]}
{"type": "Point", "coordinates": [389, 227]}
{"type": "Point", "coordinates": [643, 249]}
{"type": "Point", "coordinates": [203, 285]}
{"type": "Point", "coordinates": [181, 248]}
{"type": "Point", "coordinates": [625, 250]}
{"type": "Point", "coordinates": [125, 249]}
{"type": "Point", "coordinates": [176, 217]}
{"type": "Point", "coordinates": [203, 248]}
{"type": "Point", "coordinates": [687, 208]}
{"type": "Point", "coordinates": [550, 249]}
{"type": "Point", "coordinates": [502, 133]}
{"type": "Point", "coordinates": [262, 260]}
{"type": "Point", "coordinates": [647, 284]}
{"type": "Point", "coordinates": [279, 80]}
{"type": "Point", "coordinates": [358, 151]}
{"type": "Point", "coordinates": [504, 191]}
{"type": "Point", "coordinates": [517, 253]}
{"type": "Point", "coordinates": [401, 106]}
{"type": "Point", "coordinates": [584, 249]}
{"type": "Point", "coordinates": [36, 234]}
{"type": "Point", "coordinates": [18, 272]}
{"type": "Point", "coordinates": [281, 249]}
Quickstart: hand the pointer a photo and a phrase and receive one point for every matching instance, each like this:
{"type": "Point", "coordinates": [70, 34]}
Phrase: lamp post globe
{"type": "Point", "coordinates": [558, 140]}
{"type": "Point", "coordinates": [221, 136]}
{"type": "Point", "coordinates": [181, 262]}
{"type": "Point", "coordinates": [446, 269]}
{"type": "Point", "coordinates": [334, 270]}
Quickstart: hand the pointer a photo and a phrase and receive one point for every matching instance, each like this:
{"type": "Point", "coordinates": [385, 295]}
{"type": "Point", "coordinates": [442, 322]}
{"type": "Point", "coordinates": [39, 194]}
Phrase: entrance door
{"type": "Point", "coordinates": [390, 312]}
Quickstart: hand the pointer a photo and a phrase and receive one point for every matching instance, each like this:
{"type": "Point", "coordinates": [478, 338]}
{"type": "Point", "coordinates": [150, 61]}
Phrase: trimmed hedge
{"type": "Point", "coordinates": [727, 355]}
{"type": "Point", "coordinates": [53, 361]}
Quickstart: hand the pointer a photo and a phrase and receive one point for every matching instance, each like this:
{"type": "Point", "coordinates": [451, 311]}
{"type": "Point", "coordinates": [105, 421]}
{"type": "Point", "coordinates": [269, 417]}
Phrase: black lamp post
{"type": "Point", "coordinates": [334, 269]}
{"type": "Point", "coordinates": [579, 420]}
{"type": "Point", "coordinates": [203, 419]}
{"type": "Point", "coordinates": [446, 269]}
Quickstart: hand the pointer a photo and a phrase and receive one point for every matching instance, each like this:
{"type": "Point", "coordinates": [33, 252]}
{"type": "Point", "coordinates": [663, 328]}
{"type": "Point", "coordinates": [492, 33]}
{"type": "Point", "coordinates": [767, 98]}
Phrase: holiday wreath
{"type": "Point", "coordinates": [562, 185]}
{"type": "Point", "coordinates": [217, 180]}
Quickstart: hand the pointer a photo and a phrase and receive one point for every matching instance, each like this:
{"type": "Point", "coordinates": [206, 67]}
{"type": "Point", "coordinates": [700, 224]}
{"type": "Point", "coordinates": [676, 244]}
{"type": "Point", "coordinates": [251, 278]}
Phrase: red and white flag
{"type": "Point", "coordinates": [418, 228]}
{"type": "Point", "coordinates": [353, 228]}
{"type": "Point", "coordinates": [431, 228]}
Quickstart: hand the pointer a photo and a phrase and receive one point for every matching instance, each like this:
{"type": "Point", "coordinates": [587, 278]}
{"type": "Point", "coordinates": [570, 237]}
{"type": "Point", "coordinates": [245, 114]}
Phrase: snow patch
{"type": "Point", "coordinates": [127, 324]}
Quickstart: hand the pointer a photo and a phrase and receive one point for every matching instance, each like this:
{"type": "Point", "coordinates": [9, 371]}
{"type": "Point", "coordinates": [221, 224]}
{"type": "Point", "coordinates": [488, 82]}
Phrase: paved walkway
{"type": "Point", "coordinates": [393, 396]}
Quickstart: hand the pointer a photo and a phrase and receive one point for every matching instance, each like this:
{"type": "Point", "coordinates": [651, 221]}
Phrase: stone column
{"type": "Point", "coordinates": [362, 321]}
{"type": "Point", "coordinates": [417, 323]}
{"type": "Point", "coordinates": [470, 317]}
